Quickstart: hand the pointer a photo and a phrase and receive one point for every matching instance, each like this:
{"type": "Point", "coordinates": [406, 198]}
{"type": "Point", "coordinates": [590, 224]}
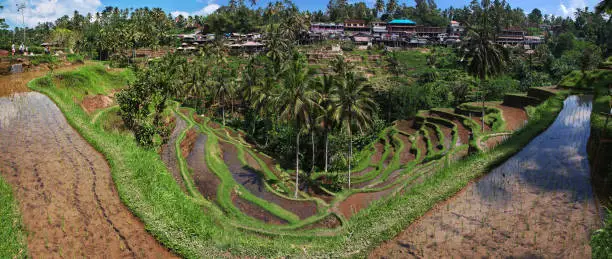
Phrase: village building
{"type": "Point", "coordinates": [456, 28]}
{"type": "Point", "coordinates": [355, 26]}
{"type": "Point", "coordinates": [402, 27]}
{"type": "Point", "coordinates": [511, 36]}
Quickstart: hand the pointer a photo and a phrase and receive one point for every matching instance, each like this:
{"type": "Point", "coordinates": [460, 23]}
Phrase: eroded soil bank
{"type": "Point", "coordinates": [539, 203]}
{"type": "Point", "coordinates": [67, 198]}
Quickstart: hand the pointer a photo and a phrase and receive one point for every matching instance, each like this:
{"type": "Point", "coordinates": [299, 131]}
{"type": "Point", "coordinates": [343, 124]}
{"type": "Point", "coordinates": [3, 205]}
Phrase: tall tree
{"type": "Point", "coordinates": [353, 106]}
{"type": "Point", "coordinates": [325, 86]}
{"type": "Point", "coordinates": [379, 6]}
{"type": "Point", "coordinates": [484, 57]}
{"type": "Point", "coordinates": [296, 101]}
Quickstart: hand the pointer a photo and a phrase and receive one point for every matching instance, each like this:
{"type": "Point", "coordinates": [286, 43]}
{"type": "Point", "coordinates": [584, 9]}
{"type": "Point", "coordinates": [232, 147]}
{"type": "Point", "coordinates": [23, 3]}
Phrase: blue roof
{"type": "Point", "coordinates": [400, 21]}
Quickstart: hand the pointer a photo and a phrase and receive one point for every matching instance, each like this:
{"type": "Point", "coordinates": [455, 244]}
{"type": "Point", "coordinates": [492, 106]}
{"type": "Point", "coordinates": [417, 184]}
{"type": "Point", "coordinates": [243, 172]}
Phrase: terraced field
{"type": "Point", "coordinates": [220, 167]}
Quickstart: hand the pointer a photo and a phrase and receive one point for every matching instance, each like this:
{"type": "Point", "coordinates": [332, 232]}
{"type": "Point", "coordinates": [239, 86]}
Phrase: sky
{"type": "Point", "coordinates": [37, 11]}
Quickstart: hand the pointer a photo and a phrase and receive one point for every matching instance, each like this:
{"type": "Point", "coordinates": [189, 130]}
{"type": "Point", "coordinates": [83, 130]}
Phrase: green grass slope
{"type": "Point", "coordinates": [12, 236]}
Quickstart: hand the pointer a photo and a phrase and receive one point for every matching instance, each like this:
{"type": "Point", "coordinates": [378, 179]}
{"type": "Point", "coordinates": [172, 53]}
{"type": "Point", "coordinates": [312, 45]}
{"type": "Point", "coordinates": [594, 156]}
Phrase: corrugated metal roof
{"type": "Point", "coordinates": [402, 21]}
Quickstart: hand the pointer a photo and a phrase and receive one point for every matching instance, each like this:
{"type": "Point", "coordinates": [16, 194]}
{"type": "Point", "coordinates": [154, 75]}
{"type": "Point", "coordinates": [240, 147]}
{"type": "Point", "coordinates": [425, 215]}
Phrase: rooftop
{"type": "Point", "coordinates": [402, 21]}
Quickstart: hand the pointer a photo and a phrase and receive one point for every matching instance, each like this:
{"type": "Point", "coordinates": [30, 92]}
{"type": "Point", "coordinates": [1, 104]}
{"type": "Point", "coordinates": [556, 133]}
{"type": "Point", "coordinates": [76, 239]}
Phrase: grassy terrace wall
{"type": "Point", "coordinates": [195, 228]}
{"type": "Point", "coordinates": [12, 236]}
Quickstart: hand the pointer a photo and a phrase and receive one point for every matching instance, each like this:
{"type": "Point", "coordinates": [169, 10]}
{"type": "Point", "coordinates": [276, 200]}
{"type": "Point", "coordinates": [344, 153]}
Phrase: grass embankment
{"type": "Point", "coordinates": [600, 157]}
{"type": "Point", "coordinates": [12, 236]}
{"type": "Point", "coordinates": [195, 229]}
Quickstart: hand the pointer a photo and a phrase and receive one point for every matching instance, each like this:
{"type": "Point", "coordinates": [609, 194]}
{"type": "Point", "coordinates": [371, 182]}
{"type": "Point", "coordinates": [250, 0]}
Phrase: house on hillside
{"type": "Point", "coordinates": [511, 36]}
{"type": "Point", "coordinates": [379, 28]}
{"type": "Point", "coordinates": [456, 28]}
{"type": "Point", "coordinates": [402, 27]}
{"type": "Point", "coordinates": [327, 28]}
{"type": "Point", "coordinates": [429, 31]}
{"type": "Point", "coordinates": [355, 26]}
{"type": "Point", "coordinates": [362, 40]}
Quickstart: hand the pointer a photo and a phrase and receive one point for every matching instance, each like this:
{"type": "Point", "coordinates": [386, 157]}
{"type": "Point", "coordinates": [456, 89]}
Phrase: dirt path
{"type": "Point", "coordinates": [69, 204]}
{"type": "Point", "coordinates": [539, 203]}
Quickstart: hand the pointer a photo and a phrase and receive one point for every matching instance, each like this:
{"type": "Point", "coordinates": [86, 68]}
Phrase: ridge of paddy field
{"type": "Point", "coordinates": [194, 228]}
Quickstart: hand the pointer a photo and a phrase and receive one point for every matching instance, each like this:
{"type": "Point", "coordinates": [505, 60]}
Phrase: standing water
{"type": "Point", "coordinates": [539, 203]}
{"type": "Point", "coordinates": [66, 195]}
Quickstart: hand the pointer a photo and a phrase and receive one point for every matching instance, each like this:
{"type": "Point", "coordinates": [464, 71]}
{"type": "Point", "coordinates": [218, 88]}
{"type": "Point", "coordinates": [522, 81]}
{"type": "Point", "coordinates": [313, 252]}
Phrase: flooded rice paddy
{"type": "Point", "coordinates": [539, 203]}
{"type": "Point", "coordinates": [66, 195]}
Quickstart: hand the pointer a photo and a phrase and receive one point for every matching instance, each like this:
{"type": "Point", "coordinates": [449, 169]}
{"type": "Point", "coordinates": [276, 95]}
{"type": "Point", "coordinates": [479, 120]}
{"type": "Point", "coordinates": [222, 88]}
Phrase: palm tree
{"type": "Point", "coordinates": [353, 106]}
{"type": "Point", "coordinates": [604, 6]}
{"type": "Point", "coordinates": [325, 87]}
{"type": "Point", "coordinates": [296, 101]}
{"type": "Point", "coordinates": [484, 57]}
{"type": "Point", "coordinates": [223, 89]}
{"type": "Point", "coordinates": [340, 66]}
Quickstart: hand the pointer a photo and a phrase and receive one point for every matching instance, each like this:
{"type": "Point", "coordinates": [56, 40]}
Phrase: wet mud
{"type": "Point", "coordinates": [168, 153]}
{"type": "Point", "coordinates": [205, 180]}
{"type": "Point", "coordinates": [539, 203]}
{"type": "Point", "coordinates": [67, 198]}
{"type": "Point", "coordinates": [254, 182]}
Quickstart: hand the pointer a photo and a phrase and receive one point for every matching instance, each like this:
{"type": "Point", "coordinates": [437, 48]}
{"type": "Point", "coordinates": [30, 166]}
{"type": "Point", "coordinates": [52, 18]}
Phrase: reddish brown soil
{"type": "Point", "coordinates": [205, 180]}
{"type": "Point", "coordinates": [329, 222]}
{"type": "Point", "coordinates": [464, 133]}
{"type": "Point", "coordinates": [515, 117]}
{"type": "Point", "coordinates": [406, 156]}
{"type": "Point", "coordinates": [255, 211]}
{"type": "Point", "coordinates": [189, 141]}
{"type": "Point", "coordinates": [406, 126]}
{"type": "Point", "coordinates": [364, 172]}
{"type": "Point", "coordinates": [92, 103]}
{"type": "Point", "coordinates": [358, 201]}
{"type": "Point", "coordinates": [487, 127]}
{"type": "Point", "coordinates": [380, 149]}
{"type": "Point", "coordinates": [214, 125]}
{"type": "Point", "coordinates": [67, 197]}
{"type": "Point", "coordinates": [448, 136]}
{"type": "Point", "coordinates": [433, 138]}
{"type": "Point", "coordinates": [494, 141]}
{"type": "Point", "coordinates": [422, 146]}
{"type": "Point", "coordinates": [198, 119]}
{"type": "Point", "coordinates": [254, 182]}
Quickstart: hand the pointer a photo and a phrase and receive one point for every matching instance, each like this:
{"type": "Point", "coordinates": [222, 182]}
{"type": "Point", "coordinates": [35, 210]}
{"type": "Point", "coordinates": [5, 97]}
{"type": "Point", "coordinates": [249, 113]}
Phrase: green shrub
{"type": "Point", "coordinates": [601, 242]}
{"type": "Point", "coordinates": [75, 58]}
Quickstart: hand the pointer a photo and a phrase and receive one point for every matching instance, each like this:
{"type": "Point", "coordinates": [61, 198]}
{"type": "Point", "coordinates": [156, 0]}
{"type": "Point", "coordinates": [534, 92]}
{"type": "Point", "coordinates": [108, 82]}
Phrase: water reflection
{"type": "Point", "coordinates": [555, 161]}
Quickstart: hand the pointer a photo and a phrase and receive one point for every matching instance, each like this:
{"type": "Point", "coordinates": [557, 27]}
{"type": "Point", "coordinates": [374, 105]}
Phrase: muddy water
{"type": "Point", "coordinates": [68, 201]}
{"type": "Point", "coordinates": [168, 153]}
{"type": "Point", "coordinates": [206, 181]}
{"type": "Point", "coordinates": [539, 203]}
{"type": "Point", "coordinates": [253, 182]}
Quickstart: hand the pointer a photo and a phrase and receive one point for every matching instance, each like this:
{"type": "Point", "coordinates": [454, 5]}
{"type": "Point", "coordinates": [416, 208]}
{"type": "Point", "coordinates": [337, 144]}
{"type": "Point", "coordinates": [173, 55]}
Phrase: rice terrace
{"type": "Point", "coordinates": [376, 129]}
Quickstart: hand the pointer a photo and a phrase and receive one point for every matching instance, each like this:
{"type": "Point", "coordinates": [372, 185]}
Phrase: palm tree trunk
{"type": "Point", "coordinates": [483, 107]}
{"type": "Point", "coordinates": [350, 152]}
{"type": "Point", "coordinates": [326, 149]}
{"type": "Point", "coordinates": [297, 164]}
{"type": "Point", "coordinates": [313, 150]}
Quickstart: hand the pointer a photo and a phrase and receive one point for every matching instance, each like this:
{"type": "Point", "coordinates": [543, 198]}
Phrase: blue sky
{"type": "Point", "coordinates": [49, 10]}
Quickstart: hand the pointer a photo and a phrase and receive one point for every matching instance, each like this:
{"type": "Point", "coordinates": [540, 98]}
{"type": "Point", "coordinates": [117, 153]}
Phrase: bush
{"type": "Point", "coordinates": [43, 59]}
{"type": "Point", "coordinates": [75, 58]}
{"type": "Point", "coordinates": [601, 242]}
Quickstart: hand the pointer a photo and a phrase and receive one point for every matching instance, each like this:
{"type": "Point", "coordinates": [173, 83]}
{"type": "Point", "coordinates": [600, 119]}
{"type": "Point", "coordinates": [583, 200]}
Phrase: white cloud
{"type": "Point", "coordinates": [38, 11]}
{"type": "Point", "coordinates": [210, 7]}
{"type": "Point", "coordinates": [567, 9]}
{"type": "Point", "coordinates": [177, 13]}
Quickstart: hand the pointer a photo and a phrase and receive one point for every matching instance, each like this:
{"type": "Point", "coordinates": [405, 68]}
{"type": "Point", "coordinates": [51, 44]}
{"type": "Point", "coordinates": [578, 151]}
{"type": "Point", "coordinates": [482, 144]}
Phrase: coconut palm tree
{"type": "Point", "coordinates": [223, 87]}
{"type": "Point", "coordinates": [483, 57]}
{"type": "Point", "coordinates": [353, 106]}
{"type": "Point", "coordinates": [604, 6]}
{"type": "Point", "coordinates": [325, 86]}
{"type": "Point", "coordinates": [296, 101]}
